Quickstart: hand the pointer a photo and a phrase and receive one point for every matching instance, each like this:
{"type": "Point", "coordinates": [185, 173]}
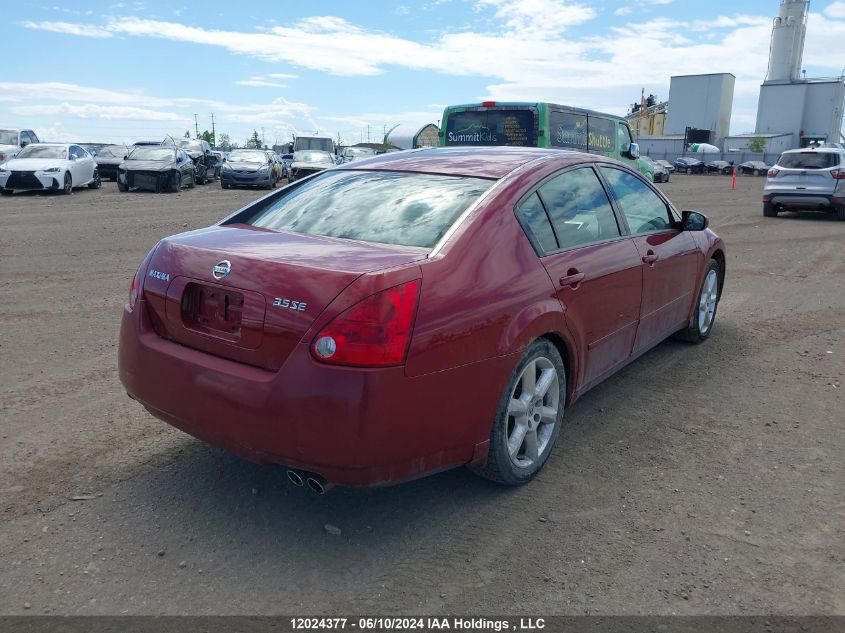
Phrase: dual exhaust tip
{"type": "Point", "coordinates": [316, 483]}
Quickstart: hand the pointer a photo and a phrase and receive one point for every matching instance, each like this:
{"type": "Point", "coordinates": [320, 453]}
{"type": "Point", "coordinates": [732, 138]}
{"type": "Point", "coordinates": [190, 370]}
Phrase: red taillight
{"type": "Point", "coordinates": [374, 332]}
{"type": "Point", "coordinates": [134, 290]}
{"type": "Point", "coordinates": [767, 198]}
{"type": "Point", "coordinates": [773, 173]}
{"type": "Point", "coordinates": [488, 104]}
{"type": "Point", "coordinates": [838, 174]}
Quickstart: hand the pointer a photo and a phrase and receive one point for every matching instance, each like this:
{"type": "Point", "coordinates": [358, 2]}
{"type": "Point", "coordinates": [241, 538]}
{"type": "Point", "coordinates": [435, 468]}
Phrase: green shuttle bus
{"type": "Point", "coordinates": [541, 125]}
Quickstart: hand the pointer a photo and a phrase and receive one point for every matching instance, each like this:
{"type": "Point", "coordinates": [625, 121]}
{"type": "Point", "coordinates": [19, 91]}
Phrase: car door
{"type": "Point", "coordinates": [670, 257]}
{"type": "Point", "coordinates": [88, 164]}
{"type": "Point", "coordinates": [594, 267]}
{"type": "Point", "coordinates": [76, 165]}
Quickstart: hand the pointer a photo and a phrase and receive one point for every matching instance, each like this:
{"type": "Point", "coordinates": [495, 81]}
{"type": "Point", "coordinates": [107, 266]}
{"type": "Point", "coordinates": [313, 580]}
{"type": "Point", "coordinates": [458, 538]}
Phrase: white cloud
{"type": "Point", "coordinates": [258, 82]}
{"type": "Point", "coordinates": [835, 10]}
{"type": "Point", "coordinates": [69, 28]}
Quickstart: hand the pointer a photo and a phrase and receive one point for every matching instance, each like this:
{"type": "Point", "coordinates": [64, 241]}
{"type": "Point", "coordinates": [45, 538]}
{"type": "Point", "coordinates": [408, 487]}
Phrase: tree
{"type": "Point", "coordinates": [225, 142]}
{"type": "Point", "coordinates": [757, 145]}
{"type": "Point", "coordinates": [254, 141]}
{"type": "Point", "coordinates": [207, 137]}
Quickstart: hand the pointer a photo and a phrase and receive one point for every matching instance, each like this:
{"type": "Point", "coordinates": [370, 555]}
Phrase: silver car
{"type": "Point", "coordinates": [806, 179]}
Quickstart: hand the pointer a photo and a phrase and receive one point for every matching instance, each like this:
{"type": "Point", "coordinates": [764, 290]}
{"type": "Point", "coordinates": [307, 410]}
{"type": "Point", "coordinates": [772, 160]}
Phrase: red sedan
{"type": "Point", "coordinates": [415, 311]}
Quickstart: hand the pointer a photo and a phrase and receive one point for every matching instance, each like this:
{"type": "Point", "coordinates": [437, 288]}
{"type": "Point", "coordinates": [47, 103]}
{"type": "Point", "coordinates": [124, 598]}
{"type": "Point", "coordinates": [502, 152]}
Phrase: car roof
{"type": "Point", "coordinates": [811, 150]}
{"type": "Point", "coordinates": [480, 162]}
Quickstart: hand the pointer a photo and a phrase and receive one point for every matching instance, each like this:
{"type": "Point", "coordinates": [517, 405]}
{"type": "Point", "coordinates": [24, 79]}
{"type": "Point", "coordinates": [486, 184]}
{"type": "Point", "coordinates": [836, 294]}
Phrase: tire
{"type": "Point", "coordinates": [517, 466]}
{"type": "Point", "coordinates": [201, 179]}
{"type": "Point", "coordinates": [96, 183]}
{"type": "Point", "coordinates": [224, 185]}
{"type": "Point", "coordinates": [6, 192]}
{"type": "Point", "coordinates": [707, 303]}
{"type": "Point", "coordinates": [67, 189]}
{"type": "Point", "coordinates": [840, 213]}
{"type": "Point", "coordinates": [756, 172]}
{"type": "Point", "coordinates": [271, 182]}
{"type": "Point", "coordinates": [192, 183]}
{"type": "Point", "coordinates": [770, 210]}
{"type": "Point", "coordinates": [122, 187]}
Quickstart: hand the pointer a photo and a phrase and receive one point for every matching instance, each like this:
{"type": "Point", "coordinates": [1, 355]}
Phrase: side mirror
{"type": "Point", "coordinates": [634, 151]}
{"type": "Point", "coordinates": [125, 156]}
{"type": "Point", "coordinates": [24, 144]}
{"type": "Point", "coordinates": [694, 221]}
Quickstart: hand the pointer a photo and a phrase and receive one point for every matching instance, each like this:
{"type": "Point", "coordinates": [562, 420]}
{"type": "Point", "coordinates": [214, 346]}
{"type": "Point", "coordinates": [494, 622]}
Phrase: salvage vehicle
{"type": "Point", "coordinates": [53, 166]}
{"type": "Point", "coordinates": [351, 154]}
{"type": "Point", "coordinates": [666, 165]}
{"type": "Point", "coordinates": [719, 167]}
{"type": "Point", "coordinates": [206, 164]}
{"type": "Point", "coordinates": [806, 180]}
{"type": "Point", "coordinates": [109, 159]}
{"type": "Point", "coordinates": [316, 142]}
{"type": "Point", "coordinates": [13, 140]}
{"type": "Point", "coordinates": [306, 163]}
{"type": "Point", "coordinates": [338, 325]}
{"type": "Point", "coordinates": [661, 174]}
{"type": "Point", "coordinates": [156, 168]}
{"type": "Point", "coordinates": [275, 164]}
{"type": "Point", "coordinates": [247, 168]}
{"type": "Point", "coordinates": [685, 165]}
{"type": "Point", "coordinates": [286, 160]}
{"type": "Point", "coordinates": [753, 168]}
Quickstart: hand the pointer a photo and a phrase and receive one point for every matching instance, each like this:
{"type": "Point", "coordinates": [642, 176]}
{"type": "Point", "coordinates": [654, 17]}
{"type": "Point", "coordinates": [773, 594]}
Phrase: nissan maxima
{"type": "Point", "coordinates": [414, 312]}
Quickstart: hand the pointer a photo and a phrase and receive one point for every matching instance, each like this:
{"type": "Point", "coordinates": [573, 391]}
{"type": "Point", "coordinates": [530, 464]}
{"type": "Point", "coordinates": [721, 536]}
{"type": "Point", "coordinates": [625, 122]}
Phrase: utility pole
{"type": "Point", "coordinates": [196, 126]}
{"type": "Point", "coordinates": [262, 137]}
{"type": "Point", "coordinates": [368, 132]}
{"type": "Point", "coordinates": [213, 133]}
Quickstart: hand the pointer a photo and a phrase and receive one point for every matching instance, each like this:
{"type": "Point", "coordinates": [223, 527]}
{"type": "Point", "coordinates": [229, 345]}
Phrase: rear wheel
{"type": "Point", "coordinates": [840, 212]}
{"type": "Point", "coordinates": [705, 308]}
{"type": "Point", "coordinates": [67, 189]}
{"type": "Point", "coordinates": [770, 210]}
{"type": "Point", "coordinates": [756, 172]}
{"type": "Point", "coordinates": [529, 417]}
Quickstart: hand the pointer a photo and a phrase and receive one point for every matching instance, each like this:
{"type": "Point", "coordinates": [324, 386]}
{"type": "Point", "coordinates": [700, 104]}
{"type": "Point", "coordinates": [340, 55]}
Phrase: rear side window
{"type": "Point", "coordinates": [602, 135]}
{"type": "Point", "coordinates": [387, 207]}
{"type": "Point", "coordinates": [644, 210]}
{"type": "Point", "coordinates": [809, 160]}
{"type": "Point", "coordinates": [579, 208]}
{"type": "Point", "coordinates": [533, 217]}
{"type": "Point", "coordinates": [567, 129]}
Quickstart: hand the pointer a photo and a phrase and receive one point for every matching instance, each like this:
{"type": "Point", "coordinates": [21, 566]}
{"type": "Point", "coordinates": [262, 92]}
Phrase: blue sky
{"type": "Point", "coordinates": [120, 71]}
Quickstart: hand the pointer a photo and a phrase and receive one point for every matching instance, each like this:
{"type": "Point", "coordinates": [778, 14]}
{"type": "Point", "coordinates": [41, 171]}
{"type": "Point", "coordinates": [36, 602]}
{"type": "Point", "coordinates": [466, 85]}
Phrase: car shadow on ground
{"type": "Point", "coordinates": [809, 216]}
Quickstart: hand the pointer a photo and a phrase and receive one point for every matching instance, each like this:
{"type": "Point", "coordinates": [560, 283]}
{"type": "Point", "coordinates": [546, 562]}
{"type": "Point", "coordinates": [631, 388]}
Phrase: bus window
{"type": "Point", "coordinates": [602, 134]}
{"type": "Point", "coordinates": [489, 126]}
{"type": "Point", "coordinates": [567, 129]}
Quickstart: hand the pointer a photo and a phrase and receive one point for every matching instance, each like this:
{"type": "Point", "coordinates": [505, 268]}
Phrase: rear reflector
{"type": "Point", "coordinates": [488, 104]}
{"type": "Point", "coordinates": [375, 332]}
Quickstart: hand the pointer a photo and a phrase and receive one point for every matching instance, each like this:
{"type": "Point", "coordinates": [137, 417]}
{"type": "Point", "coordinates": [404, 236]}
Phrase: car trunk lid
{"type": "Point", "coordinates": [251, 294]}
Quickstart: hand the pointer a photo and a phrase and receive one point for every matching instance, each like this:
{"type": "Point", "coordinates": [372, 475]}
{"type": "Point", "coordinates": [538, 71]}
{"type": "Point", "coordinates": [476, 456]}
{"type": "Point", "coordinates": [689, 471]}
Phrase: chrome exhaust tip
{"type": "Point", "coordinates": [318, 484]}
{"type": "Point", "coordinates": [295, 478]}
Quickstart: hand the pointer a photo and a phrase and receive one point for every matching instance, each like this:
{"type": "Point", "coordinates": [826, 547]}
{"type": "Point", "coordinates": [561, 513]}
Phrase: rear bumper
{"type": "Point", "coordinates": [354, 427]}
{"type": "Point", "coordinates": [793, 200]}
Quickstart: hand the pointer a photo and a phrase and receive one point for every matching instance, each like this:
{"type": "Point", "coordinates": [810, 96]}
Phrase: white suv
{"type": "Point", "coordinates": [807, 179]}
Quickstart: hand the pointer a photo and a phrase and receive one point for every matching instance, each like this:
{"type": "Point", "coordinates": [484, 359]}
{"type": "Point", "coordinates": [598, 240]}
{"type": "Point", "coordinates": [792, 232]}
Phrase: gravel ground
{"type": "Point", "coordinates": [699, 480]}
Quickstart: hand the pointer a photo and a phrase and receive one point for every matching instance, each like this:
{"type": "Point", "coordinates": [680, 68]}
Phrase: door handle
{"type": "Point", "coordinates": [650, 258]}
{"type": "Point", "coordinates": [573, 279]}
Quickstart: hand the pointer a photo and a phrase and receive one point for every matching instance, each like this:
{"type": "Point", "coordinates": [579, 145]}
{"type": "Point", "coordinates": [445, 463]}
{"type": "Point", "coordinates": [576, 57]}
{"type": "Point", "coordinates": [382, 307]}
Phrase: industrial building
{"type": "Point", "coordinates": [793, 110]}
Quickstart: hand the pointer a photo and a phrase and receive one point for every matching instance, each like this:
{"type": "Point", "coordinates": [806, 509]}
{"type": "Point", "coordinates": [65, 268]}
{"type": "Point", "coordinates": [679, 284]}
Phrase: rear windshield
{"type": "Point", "coordinates": [809, 160]}
{"type": "Point", "coordinates": [385, 207]}
{"type": "Point", "coordinates": [499, 126]}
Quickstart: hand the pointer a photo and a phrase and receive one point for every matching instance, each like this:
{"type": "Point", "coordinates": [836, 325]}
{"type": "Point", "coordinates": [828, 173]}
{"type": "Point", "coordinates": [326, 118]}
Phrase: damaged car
{"type": "Point", "coordinates": [248, 168]}
{"type": "Point", "coordinates": [162, 168]}
{"type": "Point", "coordinates": [308, 162]}
{"type": "Point", "coordinates": [109, 159]}
{"type": "Point", "coordinates": [206, 164]}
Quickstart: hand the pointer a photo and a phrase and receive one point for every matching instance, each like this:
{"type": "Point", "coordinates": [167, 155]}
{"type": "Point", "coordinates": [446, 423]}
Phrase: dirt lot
{"type": "Point", "coordinates": [701, 479]}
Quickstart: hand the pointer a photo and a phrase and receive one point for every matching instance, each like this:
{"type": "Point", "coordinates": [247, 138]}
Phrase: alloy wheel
{"type": "Point", "coordinates": [533, 412]}
{"type": "Point", "coordinates": [707, 301]}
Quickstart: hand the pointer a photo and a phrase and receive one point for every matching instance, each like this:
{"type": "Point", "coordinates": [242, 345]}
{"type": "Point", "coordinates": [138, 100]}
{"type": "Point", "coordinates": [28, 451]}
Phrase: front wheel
{"type": "Point", "coordinates": [529, 417]}
{"type": "Point", "coordinates": [756, 172]}
{"type": "Point", "coordinates": [67, 189]}
{"type": "Point", "coordinates": [193, 181]}
{"type": "Point", "coordinates": [704, 316]}
{"type": "Point", "coordinates": [224, 185]}
{"type": "Point", "coordinates": [96, 183]}
{"type": "Point", "coordinates": [176, 182]}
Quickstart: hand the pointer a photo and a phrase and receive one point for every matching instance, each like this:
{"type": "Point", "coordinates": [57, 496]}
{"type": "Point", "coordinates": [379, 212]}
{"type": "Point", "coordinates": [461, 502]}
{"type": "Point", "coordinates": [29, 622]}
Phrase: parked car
{"type": "Point", "coordinates": [660, 173]}
{"type": "Point", "coordinates": [247, 168]}
{"type": "Point", "coordinates": [351, 154]}
{"type": "Point", "coordinates": [753, 168]}
{"type": "Point", "coordinates": [55, 166]}
{"type": "Point", "coordinates": [806, 179]}
{"type": "Point", "coordinates": [363, 305]}
{"type": "Point", "coordinates": [685, 165]}
{"type": "Point", "coordinates": [143, 143]}
{"type": "Point", "coordinates": [309, 162]}
{"type": "Point", "coordinates": [286, 160]}
{"type": "Point", "coordinates": [162, 168]}
{"type": "Point", "coordinates": [109, 159]}
{"type": "Point", "coordinates": [666, 165]}
{"type": "Point", "coordinates": [12, 140]}
{"type": "Point", "coordinates": [206, 165]}
{"type": "Point", "coordinates": [719, 167]}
